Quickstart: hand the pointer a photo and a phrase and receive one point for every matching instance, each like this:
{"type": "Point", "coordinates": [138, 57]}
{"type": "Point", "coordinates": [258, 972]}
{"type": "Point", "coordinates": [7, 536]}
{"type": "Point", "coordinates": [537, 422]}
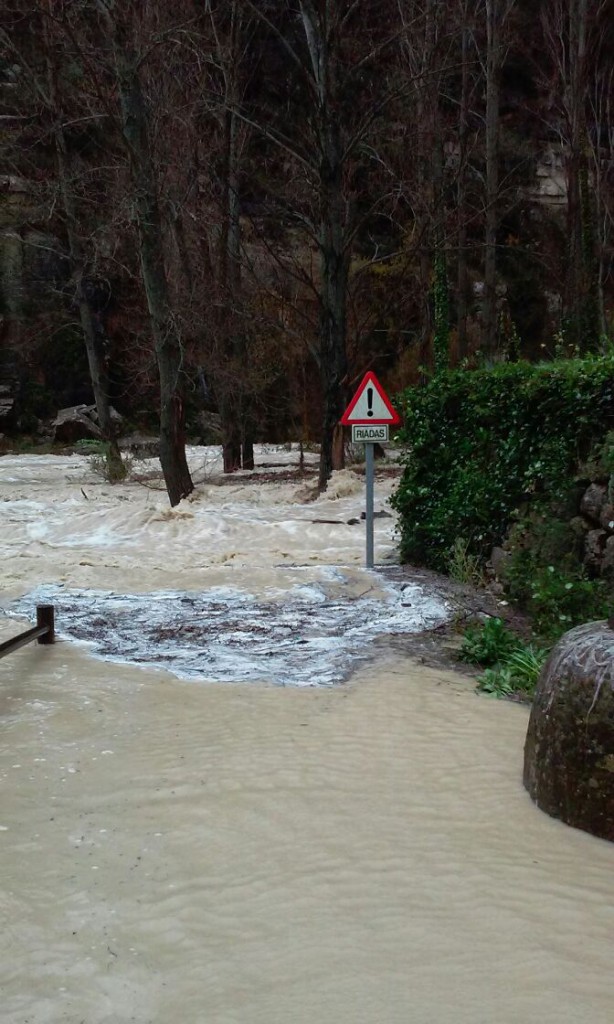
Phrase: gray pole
{"type": "Point", "coordinates": [369, 474]}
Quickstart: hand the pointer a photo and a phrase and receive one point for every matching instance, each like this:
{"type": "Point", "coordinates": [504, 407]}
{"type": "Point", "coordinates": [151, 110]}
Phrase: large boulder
{"type": "Point", "coordinates": [75, 424]}
{"type": "Point", "coordinates": [569, 750]}
{"type": "Point", "coordinates": [81, 421]}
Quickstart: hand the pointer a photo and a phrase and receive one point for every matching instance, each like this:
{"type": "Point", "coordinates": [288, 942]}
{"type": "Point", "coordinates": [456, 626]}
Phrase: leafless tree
{"type": "Point", "coordinates": [122, 28]}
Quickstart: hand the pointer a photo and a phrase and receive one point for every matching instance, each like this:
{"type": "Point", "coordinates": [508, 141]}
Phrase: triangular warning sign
{"type": "Point", "coordinates": [370, 404]}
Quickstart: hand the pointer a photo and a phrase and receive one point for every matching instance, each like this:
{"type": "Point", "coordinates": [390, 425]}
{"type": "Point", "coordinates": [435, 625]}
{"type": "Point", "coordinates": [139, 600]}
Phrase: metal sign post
{"type": "Point", "coordinates": [368, 436]}
{"type": "Point", "coordinates": [370, 479]}
{"type": "Point", "coordinates": [370, 414]}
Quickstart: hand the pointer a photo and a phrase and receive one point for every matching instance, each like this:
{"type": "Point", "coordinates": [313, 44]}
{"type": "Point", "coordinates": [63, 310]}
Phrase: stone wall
{"type": "Point", "coordinates": [595, 523]}
{"type": "Point", "coordinates": [589, 533]}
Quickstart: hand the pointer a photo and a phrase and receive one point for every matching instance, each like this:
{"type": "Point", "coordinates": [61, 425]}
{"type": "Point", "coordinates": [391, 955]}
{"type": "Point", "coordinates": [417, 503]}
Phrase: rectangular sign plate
{"type": "Point", "coordinates": [369, 435]}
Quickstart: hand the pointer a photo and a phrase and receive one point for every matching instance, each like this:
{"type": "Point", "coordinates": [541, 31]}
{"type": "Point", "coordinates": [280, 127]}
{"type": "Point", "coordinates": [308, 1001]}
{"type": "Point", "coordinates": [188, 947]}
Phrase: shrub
{"type": "Point", "coordinates": [525, 664]}
{"type": "Point", "coordinates": [545, 576]}
{"type": "Point", "coordinates": [516, 675]}
{"type": "Point", "coordinates": [511, 666]}
{"type": "Point", "coordinates": [488, 644]}
{"type": "Point", "coordinates": [463, 566]}
{"type": "Point", "coordinates": [481, 443]}
{"type": "Point", "coordinates": [561, 600]}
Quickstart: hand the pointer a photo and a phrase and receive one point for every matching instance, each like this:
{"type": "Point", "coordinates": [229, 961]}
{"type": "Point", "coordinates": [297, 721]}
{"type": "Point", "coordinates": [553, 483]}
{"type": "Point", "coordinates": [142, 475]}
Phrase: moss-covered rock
{"type": "Point", "coordinates": [569, 751]}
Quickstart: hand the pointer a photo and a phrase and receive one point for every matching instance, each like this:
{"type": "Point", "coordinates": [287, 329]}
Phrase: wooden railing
{"type": "Point", "coordinates": [43, 631]}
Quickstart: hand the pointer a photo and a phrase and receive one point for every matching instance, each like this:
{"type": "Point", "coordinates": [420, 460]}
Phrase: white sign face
{"type": "Point", "coordinates": [369, 435]}
{"type": "Point", "coordinates": [370, 405]}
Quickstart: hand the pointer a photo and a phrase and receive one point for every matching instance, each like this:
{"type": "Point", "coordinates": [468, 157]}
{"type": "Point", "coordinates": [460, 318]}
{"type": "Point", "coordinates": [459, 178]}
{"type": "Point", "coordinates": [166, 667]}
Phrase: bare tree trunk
{"type": "Point", "coordinates": [582, 282]}
{"type": "Point", "coordinates": [93, 345]}
{"type": "Point", "coordinates": [574, 166]}
{"type": "Point", "coordinates": [247, 452]}
{"type": "Point", "coordinates": [230, 282]}
{"type": "Point", "coordinates": [602, 154]}
{"type": "Point", "coordinates": [231, 444]}
{"type": "Point", "coordinates": [421, 46]}
{"type": "Point", "coordinates": [235, 388]}
{"type": "Point", "coordinates": [433, 166]}
{"type": "Point", "coordinates": [240, 439]}
{"type": "Point", "coordinates": [334, 271]}
{"type": "Point", "coordinates": [462, 281]}
{"type": "Point", "coordinates": [13, 291]}
{"type": "Point", "coordinates": [493, 59]}
{"type": "Point", "coordinates": [320, 34]}
{"type": "Point", "coordinates": [566, 28]}
{"type": "Point", "coordinates": [166, 337]}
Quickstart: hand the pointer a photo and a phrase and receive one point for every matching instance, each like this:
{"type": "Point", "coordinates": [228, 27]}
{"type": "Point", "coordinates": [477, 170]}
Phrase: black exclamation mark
{"type": "Point", "coordinates": [369, 401]}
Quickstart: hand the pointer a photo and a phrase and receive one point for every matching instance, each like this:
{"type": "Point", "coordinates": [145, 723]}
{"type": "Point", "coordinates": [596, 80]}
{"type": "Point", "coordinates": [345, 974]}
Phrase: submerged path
{"type": "Point", "coordinates": [362, 853]}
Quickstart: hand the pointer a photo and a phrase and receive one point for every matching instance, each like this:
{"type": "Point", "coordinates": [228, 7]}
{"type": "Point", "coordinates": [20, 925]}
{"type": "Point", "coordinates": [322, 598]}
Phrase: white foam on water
{"type": "Point", "coordinates": [309, 634]}
{"type": "Point", "coordinates": [256, 589]}
{"type": "Point", "coordinates": [61, 521]}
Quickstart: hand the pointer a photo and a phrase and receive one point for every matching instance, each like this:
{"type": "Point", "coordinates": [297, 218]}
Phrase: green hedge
{"type": "Point", "coordinates": [479, 443]}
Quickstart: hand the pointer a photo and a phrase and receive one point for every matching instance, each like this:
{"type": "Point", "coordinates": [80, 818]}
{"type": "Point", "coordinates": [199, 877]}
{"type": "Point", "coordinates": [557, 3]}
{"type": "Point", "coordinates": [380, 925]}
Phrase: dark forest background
{"type": "Point", "coordinates": [239, 207]}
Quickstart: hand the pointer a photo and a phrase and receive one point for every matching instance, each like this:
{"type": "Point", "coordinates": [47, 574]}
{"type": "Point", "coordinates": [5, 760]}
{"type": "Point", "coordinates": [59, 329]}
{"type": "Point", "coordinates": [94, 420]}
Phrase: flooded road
{"type": "Point", "coordinates": [174, 850]}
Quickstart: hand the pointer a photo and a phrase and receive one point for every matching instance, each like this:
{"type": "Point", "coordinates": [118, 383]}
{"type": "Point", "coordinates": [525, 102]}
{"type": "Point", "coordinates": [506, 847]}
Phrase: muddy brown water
{"type": "Point", "coordinates": [232, 854]}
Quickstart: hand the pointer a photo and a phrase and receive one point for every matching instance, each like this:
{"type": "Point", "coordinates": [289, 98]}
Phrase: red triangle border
{"type": "Point", "coordinates": [370, 378]}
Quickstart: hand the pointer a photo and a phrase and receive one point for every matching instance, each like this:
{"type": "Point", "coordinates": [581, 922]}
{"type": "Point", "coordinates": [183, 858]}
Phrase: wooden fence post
{"type": "Point", "coordinates": [45, 617]}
